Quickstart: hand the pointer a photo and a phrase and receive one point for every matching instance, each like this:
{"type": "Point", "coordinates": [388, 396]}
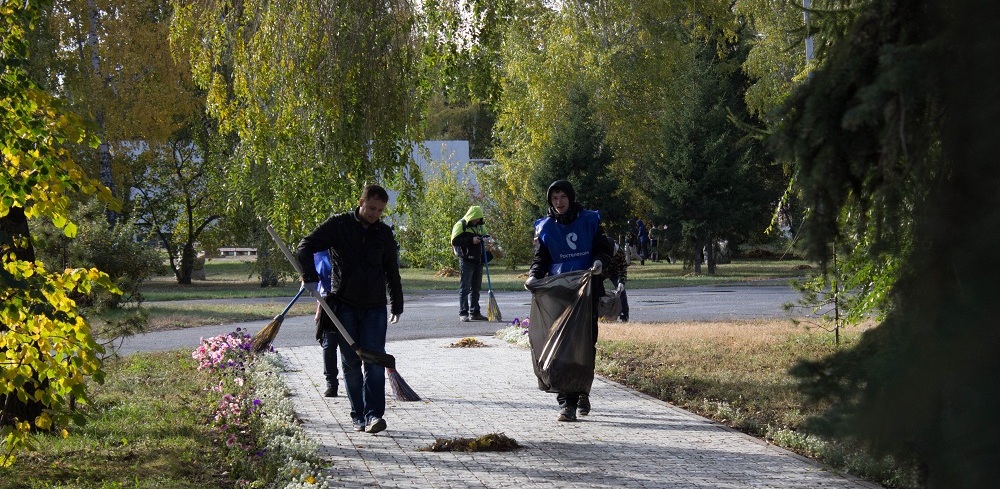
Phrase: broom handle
{"type": "Point", "coordinates": [290, 304]}
{"type": "Point", "coordinates": [489, 283]}
{"type": "Point", "coordinates": [326, 307]}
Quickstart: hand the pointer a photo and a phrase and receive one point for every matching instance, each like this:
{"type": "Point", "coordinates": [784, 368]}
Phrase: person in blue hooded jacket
{"type": "Point", "coordinates": [570, 238]}
{"type": "Point", "coordinates": [326, 332]}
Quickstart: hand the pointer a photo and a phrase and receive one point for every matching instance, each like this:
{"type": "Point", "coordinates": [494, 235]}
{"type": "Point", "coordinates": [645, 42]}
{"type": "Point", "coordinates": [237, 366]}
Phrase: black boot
{"type": "Point", "coordinates": [567, 414]}
{"type": "Point", "coordinates": [583, 405]}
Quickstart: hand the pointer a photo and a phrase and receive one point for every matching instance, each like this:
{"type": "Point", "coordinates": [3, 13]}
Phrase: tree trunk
{"type": "Point", "coordinates": [711, 256]}
{"type": "Point", "coordinates": [187, 264]}
{"type": "Point", "coordinates": [15, 225]}
{"type": "Point", "coordinates": [104, 150]}
{"type": "Point", "coordinates": [699, 255]}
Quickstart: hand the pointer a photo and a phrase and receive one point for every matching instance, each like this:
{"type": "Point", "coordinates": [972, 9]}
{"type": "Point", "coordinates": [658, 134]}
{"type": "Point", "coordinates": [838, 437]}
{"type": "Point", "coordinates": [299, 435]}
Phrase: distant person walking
{"type": "Point", "coordinates": [363, 267]}
{"type": "Point", "coordinates": [617, 272]}
{"type": "Point", "coordinates": [642, 232]}
{"type": "Point", "coordinates": [665, 245]}
{"type": "Point", "coordinates": [467, 241]}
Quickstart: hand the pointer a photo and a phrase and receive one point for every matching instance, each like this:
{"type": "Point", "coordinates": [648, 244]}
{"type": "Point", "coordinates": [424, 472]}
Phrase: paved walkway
{"type": "Point", "coordinates": [629, 440]}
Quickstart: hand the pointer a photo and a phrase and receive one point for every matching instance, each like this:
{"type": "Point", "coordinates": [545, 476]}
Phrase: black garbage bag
{"type": "Point", "coordinates": [609, 307]}
{"type": "Point", "coordinates": [561, 333]}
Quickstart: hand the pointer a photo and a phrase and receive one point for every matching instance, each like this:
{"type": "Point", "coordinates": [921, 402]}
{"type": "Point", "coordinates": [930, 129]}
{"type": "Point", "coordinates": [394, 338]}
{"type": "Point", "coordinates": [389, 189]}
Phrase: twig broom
{"type": "Point", "coordinates": [400, 388]}
{"type": "Point", "coordinates": [492, 308]}
{"type": "Point", "coordinates": [262, 340]}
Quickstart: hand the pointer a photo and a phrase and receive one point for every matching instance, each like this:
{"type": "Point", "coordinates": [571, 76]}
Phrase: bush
{"type": "Point", "coordinates": [426, 240]}
{"type": "Point", "coordinates": [111, 249]}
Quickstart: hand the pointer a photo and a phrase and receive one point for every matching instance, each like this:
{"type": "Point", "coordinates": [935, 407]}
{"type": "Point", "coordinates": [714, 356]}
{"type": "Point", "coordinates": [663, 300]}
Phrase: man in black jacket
{"type": "Point", "coordinates": [363, 259]}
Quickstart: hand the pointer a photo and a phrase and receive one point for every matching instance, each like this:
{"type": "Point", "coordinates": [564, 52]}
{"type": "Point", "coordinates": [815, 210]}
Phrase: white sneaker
{"type": "Point", "coordinates": [375, 425]}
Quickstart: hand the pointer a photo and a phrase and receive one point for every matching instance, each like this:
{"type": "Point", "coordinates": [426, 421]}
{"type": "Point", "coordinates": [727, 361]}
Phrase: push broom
{"type": "Point", "coordinates": [266, 335]}
{"type": "Point", "coordinates": [400, 388]}
{"type": "Point", "coordinates": [492, 309]}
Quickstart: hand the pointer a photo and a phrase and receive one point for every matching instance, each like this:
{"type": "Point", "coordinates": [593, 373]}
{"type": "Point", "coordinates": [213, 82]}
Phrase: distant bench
{"type": "Point", "coordinates": [237, 251]}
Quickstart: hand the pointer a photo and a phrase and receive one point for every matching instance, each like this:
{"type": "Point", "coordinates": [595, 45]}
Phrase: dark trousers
{"type": "Point", "coordinates": [329, 344]}
{"type": "Point", "coordinates": [469, 286]}
{"type": "Point", "coordinates": [571, 399]}
{"type": "Point", "coordinates": [624, 299]}
{"type": "Point", "coordinates": [365, 381]}
{"type": "Point", "coordinates": [326, 333]}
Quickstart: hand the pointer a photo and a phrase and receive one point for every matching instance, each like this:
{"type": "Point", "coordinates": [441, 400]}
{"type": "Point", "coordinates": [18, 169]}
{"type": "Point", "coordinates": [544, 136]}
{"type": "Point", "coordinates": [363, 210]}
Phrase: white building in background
{"type": "Point", "coordinates": [455, 153]}
{"type": "Point", "coordinates": [429, 155]}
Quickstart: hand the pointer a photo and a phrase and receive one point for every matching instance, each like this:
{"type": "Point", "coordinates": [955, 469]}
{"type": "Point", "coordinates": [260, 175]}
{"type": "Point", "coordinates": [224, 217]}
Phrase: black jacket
{"type": "Point", "coordinates": [465, 248]}
{"type": "Point", "coordinates": [364, 261]}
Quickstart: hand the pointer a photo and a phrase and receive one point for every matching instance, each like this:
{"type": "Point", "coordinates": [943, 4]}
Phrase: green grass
{"type": "Point", "coordinates": [234, 278]}
{"type": "Point", "coordinates": [225, 278]}
{"type": "Point", "coordinates": [147, 428]}
{"type": "Point", "coordinates": [180, 315]}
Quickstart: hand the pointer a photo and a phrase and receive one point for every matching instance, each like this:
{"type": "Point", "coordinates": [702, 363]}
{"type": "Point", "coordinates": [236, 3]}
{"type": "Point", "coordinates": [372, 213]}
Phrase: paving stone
{"type": "Point", "coordinates": [629, 440]}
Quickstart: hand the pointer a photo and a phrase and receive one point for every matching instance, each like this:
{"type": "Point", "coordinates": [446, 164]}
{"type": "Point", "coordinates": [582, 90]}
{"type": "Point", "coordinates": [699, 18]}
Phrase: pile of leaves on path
{"type": "Point", "coordinates": [468, 342]}
{"type": "Point", "coordinates": [493, 442]}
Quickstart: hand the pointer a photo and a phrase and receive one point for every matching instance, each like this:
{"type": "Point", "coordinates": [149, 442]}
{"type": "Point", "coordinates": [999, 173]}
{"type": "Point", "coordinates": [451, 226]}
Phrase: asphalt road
{"type": "Point", "coordinates": [434, 314]}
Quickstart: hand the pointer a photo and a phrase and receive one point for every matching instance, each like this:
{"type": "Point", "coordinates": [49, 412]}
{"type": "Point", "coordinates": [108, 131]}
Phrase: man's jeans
{"type": "Point", "coordinates": [365, 382]}
{"type": "Point", "coordinates": [472, 282]}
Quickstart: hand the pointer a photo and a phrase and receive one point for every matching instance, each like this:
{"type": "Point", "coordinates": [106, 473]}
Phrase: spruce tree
{"type": "Point", "coordinates": [578, 153]}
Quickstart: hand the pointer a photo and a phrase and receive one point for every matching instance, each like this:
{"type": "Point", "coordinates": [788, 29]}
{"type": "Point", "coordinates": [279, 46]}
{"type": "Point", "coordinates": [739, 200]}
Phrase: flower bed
{"type": "Point", "coordinates": [255, 418]}
{"type": "Point", "coordinates": [516, 333]}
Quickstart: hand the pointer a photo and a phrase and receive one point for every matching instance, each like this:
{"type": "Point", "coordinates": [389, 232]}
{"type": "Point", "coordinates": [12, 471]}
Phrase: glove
{"type": "Point", "coordinates": [597, 268]}
{"type": "Point", "coordinates": [310, 287]}
{"type": "Point", "coordinates": [530, 282]}
{"type": "Point", "coordinates": [393, 318]}
{"type": "Point", "coordinates": [621, 287]}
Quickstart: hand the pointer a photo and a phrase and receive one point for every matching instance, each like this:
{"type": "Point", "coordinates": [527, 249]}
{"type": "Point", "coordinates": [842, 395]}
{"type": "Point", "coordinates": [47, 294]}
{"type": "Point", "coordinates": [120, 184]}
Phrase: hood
{"type": "Point", "coordinates": [474, 212]}
{"type": "Point", "coordinates": [565, 187]}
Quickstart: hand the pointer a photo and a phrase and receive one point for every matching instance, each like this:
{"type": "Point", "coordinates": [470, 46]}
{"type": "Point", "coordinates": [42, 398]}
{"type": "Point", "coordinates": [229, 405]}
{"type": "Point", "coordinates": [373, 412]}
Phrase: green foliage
{"type": "Point", "coordinates": [472, 122]}
{"type": "Point", "coordinates": [463, 55]}
{"type": "Point", "coordinates": [111, 249]}
{"type": "Point", "coordinates": [513, 216]}
{"type": "Point", "coordinates": [855, 286]}
{"type": "Point", "coordinates": [111, 62]}
{"type": "Point", "coordinates": [426, 241]}
{"type": "Point", "coordinates": [712, 181]}
{"type": "Point", "coordinates": [869, 142]}
{"type": "Point", "coordinates": [907, 112]}
{"type": "Point", "coordinates": [180, 196]}
{"type": "Point", "coordinates": [312, 110]}
{"type": "Point", "coordinates": [579, 153]}
{"type": "Point", "coordinates": [46, 349]}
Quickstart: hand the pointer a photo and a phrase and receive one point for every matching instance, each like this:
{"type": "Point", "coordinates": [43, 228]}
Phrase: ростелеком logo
{"type": "Point", "coordinates": [571, 240]}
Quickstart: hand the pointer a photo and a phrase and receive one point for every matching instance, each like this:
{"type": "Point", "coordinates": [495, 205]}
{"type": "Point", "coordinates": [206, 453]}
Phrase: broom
{"type": "Point", "coordinates": [492, 309]}
{"type": "Point", "coordinates": [266, 335]}
{"type": "Point", "coordinates": [400, 388]}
